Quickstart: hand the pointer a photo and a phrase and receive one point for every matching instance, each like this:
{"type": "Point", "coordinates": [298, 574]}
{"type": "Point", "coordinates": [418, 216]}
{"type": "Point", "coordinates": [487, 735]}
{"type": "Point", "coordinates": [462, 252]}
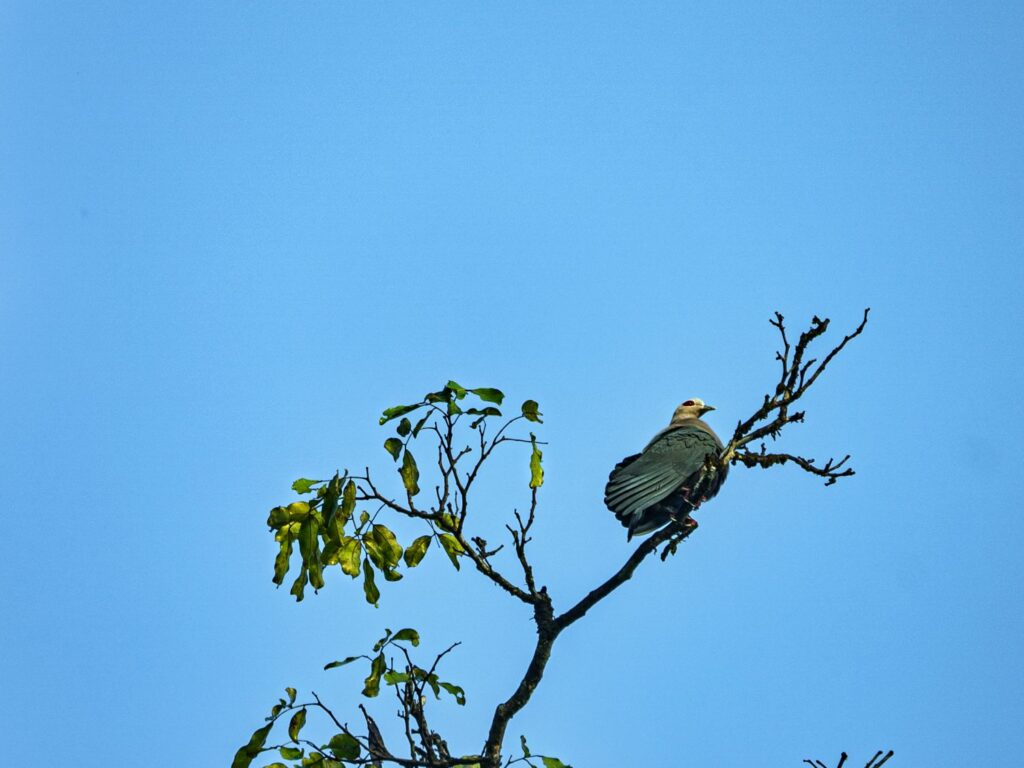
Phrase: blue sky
{"type": "Point", "coordinates": [231, 233]}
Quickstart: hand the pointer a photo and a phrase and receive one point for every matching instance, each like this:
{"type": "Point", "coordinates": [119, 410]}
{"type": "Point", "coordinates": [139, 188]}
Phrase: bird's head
{"type": "Point", "coordinates": [691, 409]}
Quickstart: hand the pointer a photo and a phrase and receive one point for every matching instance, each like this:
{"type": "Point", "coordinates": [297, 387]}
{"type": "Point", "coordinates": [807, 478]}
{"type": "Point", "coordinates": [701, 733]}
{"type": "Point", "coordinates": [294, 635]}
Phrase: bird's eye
{"type": "Point", "coordinates": [689, 402]}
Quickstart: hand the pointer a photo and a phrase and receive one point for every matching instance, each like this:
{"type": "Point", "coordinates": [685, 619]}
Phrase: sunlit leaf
{"type": "Point", "coordinates": [414, 552]}
{"type": "Point", "coordinates": [299, 586]}
{"type": "Point", "coordinates": [281, 562]}
{"type": "Point", "coordinates": [304, 485]}
{"type": "Point", "coordinates": [442, 396]}
{"type": "Point", "coordinates": [489, 394]}
{"type": "Point", "coordinates": [407, 634]}
{"type": "Point", "coordinates": [388, 544]}
{"type": "Point", "coordinates": [394, 678]}
{"type": "Point", "coordinates": [420, 423]}
{"type": "Point", "coordinates": [295, 724]}
{"type": "Point", "coordinates": [349, 554]}
{"type": "Point", "coordinates": [275, 765]}
{"type": "Point", "coordinates": [454, 409]}
{"type": "Point", "coordinates": [374, 550]}
{"type": "Point", "coordinates": [372, 682]}
{"type": "Point", "coordinates": [393, 446]}
{"type": "Point", "coordinates": [344, 746]}
{"type": "Point", "coordinates": [530, 411]}
{"type": "Point", "coordinates": [456, 691]}
{"type": "Point", "coordinates": [248, 753]}
{"type": "Point", "coordinates": [451, 547]}
{"type": "Point", "coordinates": [290, 753]}
{"type": "Point", "coordinates": [554, 762]}
{"type": "Point", "coordinates": [348, 502]}
{"type": "Point", "coordinates": [342, 663]}
{"type": "Point", "coordinates": [410, 473]}
{"type": "Point", "coordinates": [536, 470]}
{"type": "Point", "coordinates": [383, 641]}
{"type": "Point", "coordinates": [398, 410]}
{"type": "Point", "coordinates": [291, 695]}
{"type": "Point", "coordinates": [294, 512]}
{"type": "Point", "coordinates": [460, 391]}
{"type": "Point", "coordinates": [369, 587]}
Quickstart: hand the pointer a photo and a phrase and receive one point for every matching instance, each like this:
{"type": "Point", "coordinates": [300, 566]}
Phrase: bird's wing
{"type": "Point", "coordinates": [641, 481]}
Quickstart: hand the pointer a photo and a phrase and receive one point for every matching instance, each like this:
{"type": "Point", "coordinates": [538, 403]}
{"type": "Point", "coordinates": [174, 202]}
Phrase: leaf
{"type": "Point", "coordinates": [282, 561]}
{"type": "Point", "coordinates": [554, 762]}
{"type": "Point", "coordinates": [444, 395]}
{"type": "Point", "coordinates": [291, 695]}
{"type": "Point", "coordinates": [310, 551]}
{"type": "Point", "coordinates": [347, 503]}
{"type": "Point", "coordinates": [536, 470]}
{"type": "Point", "coordinates": [290, 753]}
{"type": "Point", "coordinates": [398, 410]}
{"type": "Point", "coordinates": [456, 691]}
{"type": "Point", "coordinates": [383, 641]}
{"type": "Point", "coordinates": [369, 588]}
{"type": "Point", "coordinates": [344, 746]}
{"type": "Point", "coordinates": [419, 424]}
{"type": "Point", "coordinates": [248, 753]}
{"type": "Point", "coordinates": [393, 446]}
{"type": "Point", "coordinates": [276, 765]}
{"type": "Point", "coordinates": [410, 473]}
{"type": "Point", "coordinates": [377, 668]}
{"type": "Point", "coordinates": [530, 411]}
{"type": "Point", "coordinates": [295, 725]}
{"type": "Point", "coordinates": [348, 556]}
{"type": "Point", "coordinates": [454, 409]}
{"type": "Point", "coordinates": [451, 547]}
{"type": "Point", "coordinates": [404, 427]}
{"type": "Point", "coordinates": [294, 512]}
{"type": "Point", "coordinates": [407, 634]}
{"type": "Point", "coordinates": [414, 552]}
{"type": "Point", "coordinates": [526, 749]}
{"type": "Point", "coordinates": [304, 485]}
{"type": "Point", "coordinates": [489, 394]}
{"type": "Point", "coordinates": [342, 663]}
{"type": "Point", "coordinates": [299, 586]}
{"type": "Point", "coordinates": [460, 391]}
{"type": "Point", "coordinates": [388, 544]}
{"type": "Point", "coordinates": [394, 678]}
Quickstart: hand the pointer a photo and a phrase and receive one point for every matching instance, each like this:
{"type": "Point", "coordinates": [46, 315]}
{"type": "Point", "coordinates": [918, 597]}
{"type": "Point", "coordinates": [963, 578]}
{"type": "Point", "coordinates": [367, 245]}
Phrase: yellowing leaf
{"type": "Point", "coordinates": [298, 720]}
{"type": "Point", "coordinates": [536, 470]}
{"type": "Point", "coordinates": [349, 555]}
{"type": "Point", "coordinates": [414, 552]}
{"type": "Point", "coordinates": [410, 473]}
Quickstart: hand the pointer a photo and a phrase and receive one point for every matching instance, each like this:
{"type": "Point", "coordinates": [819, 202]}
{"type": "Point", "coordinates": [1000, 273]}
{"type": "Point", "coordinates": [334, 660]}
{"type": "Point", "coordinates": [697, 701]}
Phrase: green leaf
{"type": "Point", "coordinates": [295, 725]}
{"type": "Point", "coordinates": [276, 765]}
{"type": "Point", "coordinates": [410, 473]}
{"type": "Point", "coordinates": [536, 470]}
{"type": "Point", "coordinates": [451, 547]}
{"type": "Point", "coordinates": [489, 394]}
{"type": "Point", "coordinates": [420, 423]}
{"type": "Point", "coordinates": [383, 641]}
{"type": "Point", "coordinates": [290, 753]}
{"type": "Point", "coordinates": [398, 410]}
{"type": "Point", "coordinates": [460, 391]}
{"type": "Point", "coordinates": [344, 747]}
{"type": "Point", "coordinates": [342, 663]}
{"type": "Point", "coordinates": [291, 695]}
{"type": "Point", "coordinates": [377, 668]}
{"type": "Point", "coordinates": [404, 427]}
{"type": "Point", "coordinates": [454, 409]}
{"type": "Point", "coordinates": [369, 588]}
{"type": "Point", "coordinates": [299, 586]}
{"type": "Point", "coordinates": [304, 485]}
{"type": "Point", "coordinates": [414, 552]}
{"type": "Point", "coordinates": [388, 544]}
{"type": "Point", "coordinates": [530, 411]}
{"type": "Point", "coordinates": [442, 396]}
{"type": "Point", "coordinates": [282, 561]}
{"type": "Point", "coordinates": [347, 503]}
{"type": "Point", "coordinates": [526, 749]}
{"type": "Point", "coordinates": [393, 446]}
{"type": "Point", "coordinates": [554, 762]}
{"type": "Point", "coordinates": [294, 512]}
{"type": "Point", "coordinates": [248, 753]}
{"type": "Point", "coordinates": [348, 556]}
{"type": "Point", "coordinates": [394, 678]}
{"type": "Point", "coordinates": [456, 691]}
{"type": "Point", "coordinates": [309, 548]}
{"type": "Point", "coordinates": [407, 634]}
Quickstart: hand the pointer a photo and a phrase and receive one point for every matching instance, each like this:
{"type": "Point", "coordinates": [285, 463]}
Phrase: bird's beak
{"type": "Point", "coordinates": [706, 408]}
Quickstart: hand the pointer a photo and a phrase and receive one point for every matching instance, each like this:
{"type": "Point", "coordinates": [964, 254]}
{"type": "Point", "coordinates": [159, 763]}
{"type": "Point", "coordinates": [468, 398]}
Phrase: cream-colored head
{"type": "Point", "coordinates": [691, 409]}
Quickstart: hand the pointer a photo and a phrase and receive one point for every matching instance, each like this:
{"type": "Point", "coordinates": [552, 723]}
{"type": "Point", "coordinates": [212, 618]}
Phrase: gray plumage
{"type": "Point", "coordinates": [671, 477]}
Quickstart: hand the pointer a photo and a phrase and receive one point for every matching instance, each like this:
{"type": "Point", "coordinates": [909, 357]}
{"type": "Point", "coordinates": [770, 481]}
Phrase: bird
{"type": "Point", "coordinates": [675, 473]}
